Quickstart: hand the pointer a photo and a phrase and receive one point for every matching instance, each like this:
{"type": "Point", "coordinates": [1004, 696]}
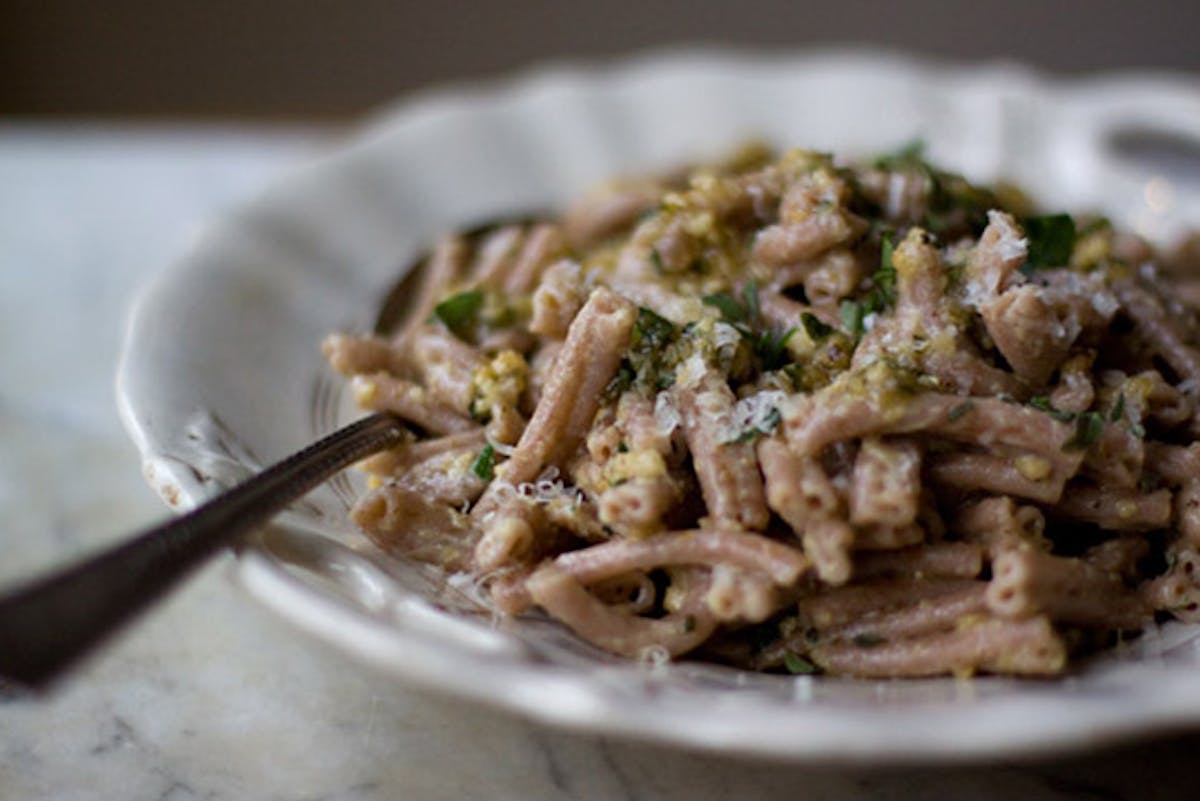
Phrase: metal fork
{"type": "Point", "coordinates": [49, 624]}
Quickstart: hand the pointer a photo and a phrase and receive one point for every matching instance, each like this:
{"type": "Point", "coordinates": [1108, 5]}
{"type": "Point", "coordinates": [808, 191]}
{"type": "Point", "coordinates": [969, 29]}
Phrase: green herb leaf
{"type": "Point", "coordinates": [1118, 410]}
{"type": "Point", "coordinates": [652, 329]}
{"type": "Point", "coordinates": [730, 309]}
{"type": "Point", "coordinates": [772, 348]}
{"type": "Point", "coordinates": [1051, 240]}
{"type": "Point", "coordinates": [813, 326]}
{"type": "Point", "coordinates": [1089, 426]}
{"type": "Point", "coordinates": [485, 463]}
{"type": "Point", "coordinates": [961, 409]}
{"type": "Point", "coordinates": [750, 301]}
{"type": "Point", "coordinates": [459, 312]}
{"type": "Point", "coordinates": [798, 665]}
{"type": "Point", "coordinates": [657, 261]}
{"type": "Point", "coordinates": [887, 253]}
{"type": "Point", "coordinates": [883, 292]}
{"type": "Point", "coordinates": [1042, 403]}
{"type": "Point", "coordinates": [852, 314]}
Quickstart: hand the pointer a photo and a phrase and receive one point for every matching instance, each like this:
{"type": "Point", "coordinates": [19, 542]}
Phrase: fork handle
{"type": "Point", "coordinates": [48, 625]}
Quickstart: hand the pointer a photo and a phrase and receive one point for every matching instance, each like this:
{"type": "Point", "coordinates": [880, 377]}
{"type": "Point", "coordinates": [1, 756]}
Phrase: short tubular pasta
{"type": "Point", "coordinates": [791, 413]}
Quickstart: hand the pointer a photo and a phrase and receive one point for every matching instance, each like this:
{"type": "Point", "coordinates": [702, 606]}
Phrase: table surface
{"type": "Point", "coordinates": [212, 697]}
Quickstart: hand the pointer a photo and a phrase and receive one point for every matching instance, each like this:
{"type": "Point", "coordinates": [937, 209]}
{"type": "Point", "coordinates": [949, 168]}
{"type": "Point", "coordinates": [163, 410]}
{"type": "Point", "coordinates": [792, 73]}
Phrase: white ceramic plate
{"type": "Point", "coordinates": [221, 370]}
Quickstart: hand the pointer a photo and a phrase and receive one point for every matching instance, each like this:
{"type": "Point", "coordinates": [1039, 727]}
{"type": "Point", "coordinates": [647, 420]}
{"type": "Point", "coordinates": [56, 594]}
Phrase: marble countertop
{"type": "Point", "coordinates": [211, 697]}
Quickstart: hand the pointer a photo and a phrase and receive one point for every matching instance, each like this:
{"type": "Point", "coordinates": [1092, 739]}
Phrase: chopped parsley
{"type": "Point", "coordinates": [1051, 240]}
{"type": "Point", "coordinates": [960, 410]}
{"type": "Point", "coordinates": [772, 348]}
{"type": "Point", "coordinates": [798, 665]}
{"type": "Point", "coordinates": [657, 260]}
{"type": "Point", "coordinates": [813, 326]}
{"type": "Point", "coordinates": [731, 310]}
{"type": "Point", "coordinates": [460, 311]}
{"type": "Point", "coordinates": [1118, 410]}
{"type": "Point", "coordinates": [647, 361]}
{"type": "Point", "coordinates": [745, 314]}
{"type": "Point", "coordinates": [750, 301]}
{"type": "Point", "coordinates": [883, 280]}
{"type": "Point", "coordinates": [1042, 403]}
{"type": "Point", "coordinates": [737, 311]}
{"type": "Point", "coordinates": [652, 330]}
{"type": "Point", "coordinates": [484, 465]}
{"type": "Point", "coordinates": [1089, 426]}
{"type": "Point", "coordinates": [853, 314]}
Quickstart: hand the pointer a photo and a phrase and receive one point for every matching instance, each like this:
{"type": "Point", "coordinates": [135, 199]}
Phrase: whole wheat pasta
{"type": "Point", "coordinates": [363, 354]}
{"type": "Point", "coordinates": [1001, 524]}
{"type": "Point", "coordinates": [582, 369]}
{"type": "Point", "coordinates": [828, 542]}
{"type": "Point", "coordinates": [925, 616]}
{"type": "Point", "coordinates": [877, 537]}
{"type": "Point", "coordinates": [564, 597]}
{"type": "Point", "coordinates": [385, 392]}
{"type": "Point", "coordinates": [1075, 391]}
{"type": "Point", "coordinates": [781, 311]}
{"type": "Point", "coordinates": [726, 468]}
{"type": "Point", "coordinates": [1029, 332]}
{"type": "Point", "coordinates": [753, 552]}
{"type": "Point", "coordinates": [1162, 333]}
{"type": "Point", "coordinates": [940, 560]}
{"type": "Point", "coordinates": [837, 606]}
{"type": "Point", "coordinates": [1023, 476]}
{"type": "Point", "coordinates": [443, 269]}
{"type": "Point", "coordinates": [1119, 556]}
{"type": "Point", "coordinates": [543, 245]}
{"type": "Point", "coordinates": [446, 366]}
{"type": "Point", "coordinates": [1027, 583]}
{"type": "Point", "coordinates": [409, 524]}
{"type": "Point", "coordinates": [557, 300]}
{"type": "Point", "coordinates": [886, 483]}
{"type": "Point", "coordinates": [441, 477]}
{"type": "Point", "coordinates": [609, 210]}
{"type": "Point", "coordinates": [496, 256]}
{"type": "Point", "coordinates": [1176, 591]}
{"type": "Point", "coordinates": [1116, 510]}
{"type": "Point", "coordinates": [835, 277]}
{"type": "Point", "coordinates": [797, 488]}
{"type": "Point", "coordinates": [1028, 647]}
{"type": "Point", "coordinates": [637, 506]}
{"type": "Point", "coordinates": [793, 413]}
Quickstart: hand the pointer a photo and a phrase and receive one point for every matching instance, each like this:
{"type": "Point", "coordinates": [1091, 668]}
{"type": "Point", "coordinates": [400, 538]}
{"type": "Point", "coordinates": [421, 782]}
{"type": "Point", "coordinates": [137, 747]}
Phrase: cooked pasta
{"type": "Point", "coordinates": [790, 414]}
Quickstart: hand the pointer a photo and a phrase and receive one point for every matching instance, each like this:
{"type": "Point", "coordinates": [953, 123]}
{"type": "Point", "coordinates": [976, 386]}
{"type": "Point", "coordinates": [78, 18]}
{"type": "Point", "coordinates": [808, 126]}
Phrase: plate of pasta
{"type": "Point", "coordinates": [829, 406]}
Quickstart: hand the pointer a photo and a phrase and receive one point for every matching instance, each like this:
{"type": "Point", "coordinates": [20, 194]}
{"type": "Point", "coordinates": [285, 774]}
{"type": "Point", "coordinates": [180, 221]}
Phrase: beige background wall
{"type": "Point", "coordinates": [292, 58]}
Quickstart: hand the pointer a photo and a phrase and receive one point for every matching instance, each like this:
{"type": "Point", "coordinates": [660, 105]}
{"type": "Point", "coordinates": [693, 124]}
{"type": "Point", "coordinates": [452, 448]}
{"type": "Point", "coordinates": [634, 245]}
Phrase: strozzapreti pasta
{"type": "Point", "coordinates": [790, 414]}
